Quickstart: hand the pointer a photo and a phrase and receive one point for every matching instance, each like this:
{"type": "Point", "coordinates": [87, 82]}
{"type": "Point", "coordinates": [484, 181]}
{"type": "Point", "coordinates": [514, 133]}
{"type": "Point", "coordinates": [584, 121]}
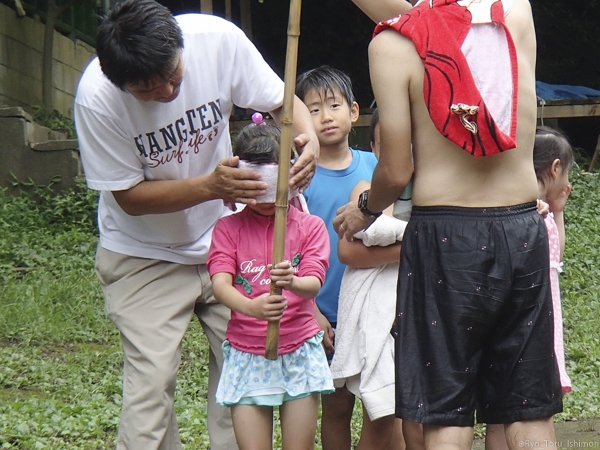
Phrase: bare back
{"type": "Point", "coordinates": [444, 173]}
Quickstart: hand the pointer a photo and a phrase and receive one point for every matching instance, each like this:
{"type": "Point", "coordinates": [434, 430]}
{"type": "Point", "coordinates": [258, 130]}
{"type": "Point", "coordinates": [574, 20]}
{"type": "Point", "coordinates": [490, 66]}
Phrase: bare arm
{"type": "Point", "coordinates": [165, 196]}
{"type": "Point", "coordinates": [283, 276]}
{"type": "Point", "coordinates": [388, 65]}
{"type": "Point", "coordinates": [328, 334]}
{"type": "Point", "coordinates": [379, 10]}
{"type": "Point", "coordinates": [357, 255]}
{"type": "Point", "coordinates": [559, 218]}
{"type": "Point", "coordinates": [557, 209]}
{"type": "Point", "coordinates": [225, 182]}
{"type": "Point", "coordinates": [388, 55]}
{"type": "Point", "coordinates": [265, 307]}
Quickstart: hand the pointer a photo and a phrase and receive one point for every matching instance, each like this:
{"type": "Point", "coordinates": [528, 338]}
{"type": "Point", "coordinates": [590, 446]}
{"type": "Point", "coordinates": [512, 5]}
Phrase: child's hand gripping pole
{"type": "Point", "coordinates": [281, 199]}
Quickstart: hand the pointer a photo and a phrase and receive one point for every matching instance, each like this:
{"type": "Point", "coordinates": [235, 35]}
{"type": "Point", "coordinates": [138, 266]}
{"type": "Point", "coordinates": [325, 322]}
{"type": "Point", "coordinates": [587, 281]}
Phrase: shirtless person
{"type": "Point", "coordinates": [474, 308]}
{"type": "Point", "coordinates": [383, 9]}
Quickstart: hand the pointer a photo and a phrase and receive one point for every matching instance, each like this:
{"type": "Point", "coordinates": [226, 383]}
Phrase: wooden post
{"type": "Point", "coordinates": [206, 6]}
{"type": "Point", "coordinates": [228, 10]}
{"type": "Point", "coordinates": [281, 199]}
{"type": "Point", "coordinates": [595, 156]}
{"type": "Point", "coordinates": [246, 17]}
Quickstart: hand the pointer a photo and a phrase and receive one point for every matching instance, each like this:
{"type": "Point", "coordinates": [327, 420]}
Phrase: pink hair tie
{"type": "Point", "coordinates": [257, 119]}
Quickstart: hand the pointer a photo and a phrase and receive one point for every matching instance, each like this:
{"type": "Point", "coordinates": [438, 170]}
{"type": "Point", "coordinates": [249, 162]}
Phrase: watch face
{"type": "Point", "coordinates": [362, 204]}
{"type": "Point", "coordinates": [363, 200]}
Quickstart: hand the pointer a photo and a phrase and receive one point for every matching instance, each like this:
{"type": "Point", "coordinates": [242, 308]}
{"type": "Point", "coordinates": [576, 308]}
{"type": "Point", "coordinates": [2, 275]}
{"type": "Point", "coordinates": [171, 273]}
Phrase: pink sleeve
{"type": "Point", "coordinates": [315, 251]}
{"type": "Point", "coordinates": [222, 254]}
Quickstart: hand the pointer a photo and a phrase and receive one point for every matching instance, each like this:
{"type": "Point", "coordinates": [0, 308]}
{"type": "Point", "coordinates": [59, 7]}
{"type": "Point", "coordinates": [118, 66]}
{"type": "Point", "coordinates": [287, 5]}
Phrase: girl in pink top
{"type": "Point", "coordinates": [241, 273]}
{"type": "Point", "coordinates": [552, 159]}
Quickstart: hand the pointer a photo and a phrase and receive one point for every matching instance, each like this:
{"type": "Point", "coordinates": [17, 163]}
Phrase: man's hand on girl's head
{"type": "Point", "coordinates": [232, 185]}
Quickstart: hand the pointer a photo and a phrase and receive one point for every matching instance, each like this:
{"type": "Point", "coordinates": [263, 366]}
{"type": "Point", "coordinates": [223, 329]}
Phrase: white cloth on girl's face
{"type": "Point", "coordinates": [268, 174]}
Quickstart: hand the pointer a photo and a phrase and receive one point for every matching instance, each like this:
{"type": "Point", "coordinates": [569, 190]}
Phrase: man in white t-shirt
{"type": "Point", "coordinates": [152, 121]}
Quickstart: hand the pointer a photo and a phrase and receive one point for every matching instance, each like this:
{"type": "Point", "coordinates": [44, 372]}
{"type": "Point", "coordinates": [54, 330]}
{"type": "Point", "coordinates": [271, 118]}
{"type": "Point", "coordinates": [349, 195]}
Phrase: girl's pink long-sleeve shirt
{"type": "Point", "coordinates": [242, 245]}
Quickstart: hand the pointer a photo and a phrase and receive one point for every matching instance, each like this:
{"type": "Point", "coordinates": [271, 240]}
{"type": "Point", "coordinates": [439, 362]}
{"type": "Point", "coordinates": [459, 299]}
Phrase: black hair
{"type": "Point", "coordinates": [138, 42]}
{"type": "Point", "coordinates": [323, 80]}
{"type": "Point", "coordinates": [258, 144]}
{"type": "Point", "coordinates": [550, 144]}
{"type": "Point", "coordinates": [374, 123]}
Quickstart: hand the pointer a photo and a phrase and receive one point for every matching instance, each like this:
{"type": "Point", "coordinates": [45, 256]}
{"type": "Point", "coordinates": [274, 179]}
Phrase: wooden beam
{"type": "Point", "coordinates": [228, 10]}
{"type": "Point", "coordinates": [206, 6]}
{"type": "Point", "coordinates": [246, 17]}
{"type": "Point", "coordinates": [550, 111]}
{"type": "Point", "coordinates": [595, 157]}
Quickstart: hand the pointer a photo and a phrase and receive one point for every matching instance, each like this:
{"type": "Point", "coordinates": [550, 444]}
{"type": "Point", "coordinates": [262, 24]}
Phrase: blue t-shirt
{"type": "Point", "coordinates": [328, 190]}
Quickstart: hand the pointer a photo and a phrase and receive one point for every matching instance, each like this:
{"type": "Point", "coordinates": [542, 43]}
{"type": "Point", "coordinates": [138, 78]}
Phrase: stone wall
{"type": "Point", "coordinates": [34, 154]}
{"type": "Point", "coordinates": [21, 43]}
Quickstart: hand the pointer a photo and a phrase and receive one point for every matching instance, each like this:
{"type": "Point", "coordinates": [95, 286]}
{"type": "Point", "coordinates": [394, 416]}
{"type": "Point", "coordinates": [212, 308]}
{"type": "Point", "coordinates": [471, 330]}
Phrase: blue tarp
{"type": "Point", "coordinates": [563, 91]}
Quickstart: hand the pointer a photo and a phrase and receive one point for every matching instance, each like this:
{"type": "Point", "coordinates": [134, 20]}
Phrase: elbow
{"type": "Point", "coordinates": [346, 253]}
{"type": "Point", "coordinates": [397, 180]}
{"type": "Point", "coordinates": [126, 203]}
{"type": "Point", "coordinates": [344, 261]}
{"type": "Point", "coordinates": [345, 257]}
{"type": "Point", "coordinates": [130, 209]}
{"type": "Point", "coordinates": [133, 212]}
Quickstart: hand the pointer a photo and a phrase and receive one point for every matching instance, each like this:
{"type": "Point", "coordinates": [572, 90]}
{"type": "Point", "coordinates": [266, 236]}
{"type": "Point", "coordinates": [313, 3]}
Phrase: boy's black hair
{"type": "Point", "coordinates": [258, 144]}
{"type": "Point", "coordinates": [323, 80]}
{"type": "Point", "coordinates": [374, 123]}
{"type": "Point", "coordinates": [138, 42]}
{"type": "Point", "coordinates": [550, 144]}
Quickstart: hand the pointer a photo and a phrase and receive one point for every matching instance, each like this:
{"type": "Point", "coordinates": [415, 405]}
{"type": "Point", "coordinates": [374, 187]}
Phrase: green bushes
{"type": "Point", "coordinates": [60, 357]}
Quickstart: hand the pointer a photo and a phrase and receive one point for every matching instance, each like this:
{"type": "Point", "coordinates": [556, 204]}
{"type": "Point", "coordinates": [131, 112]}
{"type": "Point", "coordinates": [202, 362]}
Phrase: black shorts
{"type": "Point", "coordinates": [474, 318]}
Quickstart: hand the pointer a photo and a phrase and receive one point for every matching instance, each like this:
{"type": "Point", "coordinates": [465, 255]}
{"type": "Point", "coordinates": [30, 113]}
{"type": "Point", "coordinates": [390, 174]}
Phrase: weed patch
{"type": "Point", "coordinates": [60, 357]}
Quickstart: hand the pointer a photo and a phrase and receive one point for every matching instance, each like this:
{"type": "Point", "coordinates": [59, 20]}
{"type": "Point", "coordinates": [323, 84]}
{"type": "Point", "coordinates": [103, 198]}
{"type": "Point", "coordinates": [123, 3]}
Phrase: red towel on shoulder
{"type": "Point", "coordinates": [438, 30]}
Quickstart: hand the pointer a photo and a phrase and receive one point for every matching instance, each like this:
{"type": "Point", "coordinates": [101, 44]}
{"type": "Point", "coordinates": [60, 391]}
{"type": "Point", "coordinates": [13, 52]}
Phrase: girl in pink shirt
{"type": "Point", "coordinates": [241, 274]}
{"type": "Point", "coordinates": [553, 159]}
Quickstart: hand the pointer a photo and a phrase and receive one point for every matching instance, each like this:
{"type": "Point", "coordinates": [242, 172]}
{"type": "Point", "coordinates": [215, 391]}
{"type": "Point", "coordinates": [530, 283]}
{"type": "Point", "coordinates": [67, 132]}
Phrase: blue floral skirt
{"type": "Point", "coordinates": [251, 379]}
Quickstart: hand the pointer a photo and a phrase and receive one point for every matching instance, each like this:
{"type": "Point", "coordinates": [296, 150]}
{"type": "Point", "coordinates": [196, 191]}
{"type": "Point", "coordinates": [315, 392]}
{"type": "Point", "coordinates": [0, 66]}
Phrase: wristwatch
{"type": "Point", "coordinates": [363, 199]}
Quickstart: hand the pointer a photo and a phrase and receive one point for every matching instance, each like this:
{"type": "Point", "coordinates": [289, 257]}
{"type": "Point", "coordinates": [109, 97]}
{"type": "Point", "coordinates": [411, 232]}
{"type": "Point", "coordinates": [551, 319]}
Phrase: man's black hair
{"type": "Point", "coordinates": [323, 80]}
{"type": "Point", "coordinates": [138, 42]}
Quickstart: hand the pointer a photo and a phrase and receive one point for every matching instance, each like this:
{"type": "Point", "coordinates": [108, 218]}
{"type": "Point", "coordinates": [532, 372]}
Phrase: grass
{"type": "Point", "coordinates": [580, 286]}
{"type": "Point", "coordinates": [60, 357]}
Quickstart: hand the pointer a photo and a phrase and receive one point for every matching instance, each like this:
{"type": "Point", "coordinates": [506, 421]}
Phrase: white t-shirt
{"type": "Point", "coordinates": [124, 141]}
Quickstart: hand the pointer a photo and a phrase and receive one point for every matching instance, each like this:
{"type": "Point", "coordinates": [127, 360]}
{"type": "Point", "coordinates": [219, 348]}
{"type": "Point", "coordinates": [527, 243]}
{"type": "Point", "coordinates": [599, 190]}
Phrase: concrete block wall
{"type": "Point", "coordinates": [21, 44]}
{"type": "Point", "coordinates": [33, 152]}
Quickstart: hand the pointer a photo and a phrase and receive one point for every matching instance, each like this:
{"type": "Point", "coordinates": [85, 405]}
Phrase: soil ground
{"type": "Point", "coordinates": [584, 434]}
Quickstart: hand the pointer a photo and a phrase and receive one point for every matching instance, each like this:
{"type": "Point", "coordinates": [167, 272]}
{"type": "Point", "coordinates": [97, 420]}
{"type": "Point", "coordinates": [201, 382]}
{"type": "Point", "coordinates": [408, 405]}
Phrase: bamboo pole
{"type": "Point", "coordinates": [281, 199]}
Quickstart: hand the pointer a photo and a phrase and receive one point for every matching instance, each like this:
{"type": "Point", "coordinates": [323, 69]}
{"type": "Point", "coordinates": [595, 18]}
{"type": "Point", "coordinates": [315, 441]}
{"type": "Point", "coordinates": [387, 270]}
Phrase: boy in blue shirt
{"type": "Point", "coordinates": [327, 92]}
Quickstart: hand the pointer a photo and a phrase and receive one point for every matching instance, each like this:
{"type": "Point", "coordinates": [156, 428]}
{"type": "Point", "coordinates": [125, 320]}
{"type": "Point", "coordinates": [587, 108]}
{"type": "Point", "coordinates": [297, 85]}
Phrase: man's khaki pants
{"type": "Point", "coordinates": [152, 302]}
